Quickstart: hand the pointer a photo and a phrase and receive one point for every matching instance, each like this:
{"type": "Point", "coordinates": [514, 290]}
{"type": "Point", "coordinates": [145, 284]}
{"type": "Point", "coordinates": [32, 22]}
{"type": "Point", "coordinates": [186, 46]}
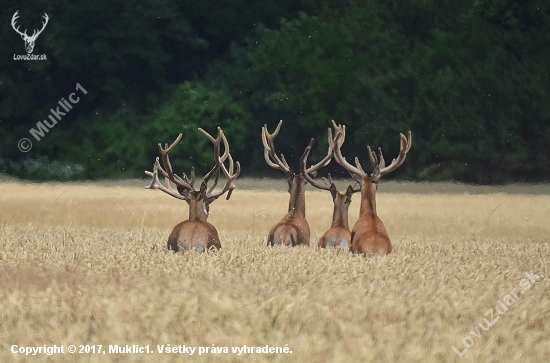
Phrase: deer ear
{"type": "Point", "coordinates": [333, 191]}
{"type": "Point", "coordinates": [184, 192]}
{"type": "Point", "coordinates": [349, 193]}
{"type": "Point", "coordinates": [203, 189]}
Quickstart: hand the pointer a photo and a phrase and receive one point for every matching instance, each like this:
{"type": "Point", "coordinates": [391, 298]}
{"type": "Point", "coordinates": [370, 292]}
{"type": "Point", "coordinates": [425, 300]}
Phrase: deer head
{"type": "Point", "coordinates": [279, 163]}
{"type": "Point", "coordinates": [185, 189]}
{"type": "Point", "coordinates": [369, 234]}
{"type": "Point", "coordinates": [293, 229]}
{"type": "Point", "coordinates": [338, 235]}
{"type": "Point", "coordinates": [29, 40]}
{"type": "Point", "coordinates": [327, 183]}
{"type": "Point", "coordinates": [378, 162]}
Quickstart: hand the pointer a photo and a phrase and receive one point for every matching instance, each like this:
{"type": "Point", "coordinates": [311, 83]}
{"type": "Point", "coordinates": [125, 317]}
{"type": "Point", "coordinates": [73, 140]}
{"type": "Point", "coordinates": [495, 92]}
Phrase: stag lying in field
{"type": "Point", "coordinates": [293, 230]}
{"type": "Point", "coordinates": [369, 234]}
{"type": "Point", "coordinates": [339, 234]}
{"type": "Point", "coordinates": [195, 233]}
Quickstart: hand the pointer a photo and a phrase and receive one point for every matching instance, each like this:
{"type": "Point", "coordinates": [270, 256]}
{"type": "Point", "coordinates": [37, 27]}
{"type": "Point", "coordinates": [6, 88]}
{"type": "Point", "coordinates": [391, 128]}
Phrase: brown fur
{"type": "Point", "coordinates": [335, 237]}
{"type": "Point", "coordinates": [369, 236]}
{"type": "Point", "coordinates": [293, 230]}
{"type": "Point", "coordinates": [195, 233]}
{"type": "Point", "coordinates": [339, 234]}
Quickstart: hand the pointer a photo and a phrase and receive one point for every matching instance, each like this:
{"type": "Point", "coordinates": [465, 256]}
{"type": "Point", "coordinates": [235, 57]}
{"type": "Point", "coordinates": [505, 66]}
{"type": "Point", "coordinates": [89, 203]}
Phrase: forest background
{"type": "Point", "coordinates": [469, 78]}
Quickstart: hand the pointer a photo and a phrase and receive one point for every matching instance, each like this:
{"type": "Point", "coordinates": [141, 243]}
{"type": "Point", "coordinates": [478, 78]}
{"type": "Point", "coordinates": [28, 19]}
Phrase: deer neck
{"type": "Point", "coordinates": [197, 210]}
{"type": "Point", "coordinates": [368, 198]}
{"type": "Point", "coordinates": [340, 213]}
{"type": "Point", "coordinates": [297, 201]}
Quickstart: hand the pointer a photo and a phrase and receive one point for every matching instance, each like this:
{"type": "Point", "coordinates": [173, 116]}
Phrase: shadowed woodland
{"type": "Point", "coordinates": [470, 79]}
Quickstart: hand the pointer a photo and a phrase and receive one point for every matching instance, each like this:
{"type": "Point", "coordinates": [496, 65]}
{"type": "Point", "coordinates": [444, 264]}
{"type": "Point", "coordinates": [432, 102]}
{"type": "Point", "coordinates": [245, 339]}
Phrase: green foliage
{"type": "Point", "coordinates": [470, 79]}
{"type": "Point", "coordinates": [110, 145]}
{"type": "Point", "coordinates": [298, 73]}
{"type": "Point", "coordinates": [190, 106]}
{"type": "Point", "coordinates": [124, 143]}
{"type": "Point", "coordinates": [42, 168]}
{"type": "Point", "coordinates": [450, 74]}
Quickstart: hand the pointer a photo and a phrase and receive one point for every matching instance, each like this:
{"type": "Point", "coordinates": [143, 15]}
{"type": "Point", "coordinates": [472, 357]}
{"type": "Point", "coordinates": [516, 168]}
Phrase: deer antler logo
{"type": "Point", "coordinates": [29, 41]}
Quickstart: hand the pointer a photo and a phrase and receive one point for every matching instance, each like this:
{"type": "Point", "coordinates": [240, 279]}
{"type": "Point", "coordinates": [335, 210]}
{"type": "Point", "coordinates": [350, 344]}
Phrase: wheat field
{"type": "Point", "coordinates": [86, 264]}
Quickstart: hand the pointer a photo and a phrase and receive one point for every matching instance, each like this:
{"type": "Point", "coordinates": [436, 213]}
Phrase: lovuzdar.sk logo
{"type": "Point", "coordinates": [29, 40]}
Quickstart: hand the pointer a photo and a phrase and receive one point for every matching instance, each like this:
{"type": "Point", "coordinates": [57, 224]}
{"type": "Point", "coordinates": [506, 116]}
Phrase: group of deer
{"type": "Point", "coordinates": [369, 236]}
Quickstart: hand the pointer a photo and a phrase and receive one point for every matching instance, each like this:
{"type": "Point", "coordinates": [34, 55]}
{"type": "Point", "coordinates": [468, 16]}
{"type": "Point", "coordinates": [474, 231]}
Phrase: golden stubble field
{"type": "Point", "coordinates": [86, 264]}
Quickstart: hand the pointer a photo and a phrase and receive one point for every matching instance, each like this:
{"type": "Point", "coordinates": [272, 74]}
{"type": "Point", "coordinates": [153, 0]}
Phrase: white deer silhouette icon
{"type": "Point", "coordinates": [29, 41]}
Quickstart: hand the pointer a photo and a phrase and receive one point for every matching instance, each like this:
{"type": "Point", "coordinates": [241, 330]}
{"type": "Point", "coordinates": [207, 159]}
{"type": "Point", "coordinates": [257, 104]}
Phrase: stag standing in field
{"type": "Point", "coordinates": [369, 234]}
{"type": "Point", "coordinates": [339, 234]}
{"type": "Point", "coordinates": [195, 233]}
{"type": "Point", "coordinates": [293, 230]}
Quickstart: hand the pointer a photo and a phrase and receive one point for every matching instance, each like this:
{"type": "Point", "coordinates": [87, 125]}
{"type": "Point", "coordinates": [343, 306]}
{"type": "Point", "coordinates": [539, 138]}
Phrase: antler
{"type": "Point", "coordinates": [405, 146]}
{"type": "Point", "coordinates": [357, 173]}
{"type": "Point", "coordinates": [156, 184]}
{"type": "Point", "coordinates": [313, 169]}
{"type": "Point", "coordinates": [184, 185]}
{"type": "Point", "coordinates": [229, 184]}
{"type": "Point", "coordinates": [35, 33]}
{"type": "Point", "coordinates": [339, 130]}
{"type": "Point", "coordinates": [303, 161]}
{"type": "Point", "coordinates": [326, 160]}
{"type": "Point", "coordinates": [13, 19]}
{"type": "Point", "coordinates": [230, 175]}
{"type": "Point", "coordinates": [378, 162]}
{"type": "Point", "coordinates": [168, 173]}
{"type": "Point", "coordinates": [269, 150]}
{"type": "Point", "coordinates": [218, 161]}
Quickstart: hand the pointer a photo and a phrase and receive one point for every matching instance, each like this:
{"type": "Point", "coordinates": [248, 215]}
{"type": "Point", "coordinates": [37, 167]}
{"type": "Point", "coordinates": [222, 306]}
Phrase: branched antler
{"type": "Point", "coordinates": [269, 150]}
{"type": "Point", "coordinates": [181, 183]}
{"type": "Point", "coordinates": [185, 185]}
{"type": "Point", "coordinates": [340, 132]}
{"type": "Point", "coordinates": [229, 174]}
{"type": "Point", "coordinates": [156, 184]}
{"type": "Point", "coordinates": [378, 162]}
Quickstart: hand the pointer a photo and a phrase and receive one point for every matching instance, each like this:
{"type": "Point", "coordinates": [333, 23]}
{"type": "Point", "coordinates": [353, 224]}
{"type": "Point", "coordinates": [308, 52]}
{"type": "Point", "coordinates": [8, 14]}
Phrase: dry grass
{"type": "Point", "coordinates": [86, 264]}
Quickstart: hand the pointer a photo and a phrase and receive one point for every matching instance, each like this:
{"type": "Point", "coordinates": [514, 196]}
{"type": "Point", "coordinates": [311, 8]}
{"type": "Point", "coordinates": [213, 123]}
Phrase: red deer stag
{"type": "Point", "coordinates": [293, 230]}
{"type": "Point", "coordinates": [195, 233]}
{"type": "Point", "coordinates": [339, 234]}
{"type": "Point", "coordinates": [369, 234]}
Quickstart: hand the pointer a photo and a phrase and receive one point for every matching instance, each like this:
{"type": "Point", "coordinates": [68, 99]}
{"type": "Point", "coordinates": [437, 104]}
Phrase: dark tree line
{"type": "Point", "coordinates": [470, 79]}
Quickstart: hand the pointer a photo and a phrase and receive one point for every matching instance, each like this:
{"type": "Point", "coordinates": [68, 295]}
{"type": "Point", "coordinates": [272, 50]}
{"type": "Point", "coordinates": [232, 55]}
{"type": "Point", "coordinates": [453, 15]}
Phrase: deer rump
{"type": "Point", "coordinates": [369, 236]}
{"type": "Point", "coordinates": [286, 234]}
{"type": "Point", "coordinates": [193, 235]}
{"type": "Point", "coordinates": [336, 237]}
